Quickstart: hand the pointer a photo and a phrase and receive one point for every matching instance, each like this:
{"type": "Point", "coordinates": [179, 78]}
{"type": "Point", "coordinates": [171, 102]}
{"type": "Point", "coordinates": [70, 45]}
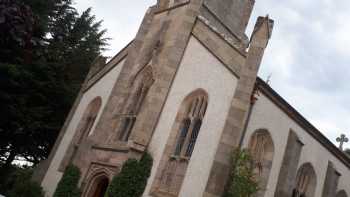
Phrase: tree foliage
{"type": "Point", "coordinates": [68, 185]}
{"type": "Point", "coordinates": [46, 49]}
{"type": "Point", "coordinates": [132, 179]}
{"type": "Point", "coordinates": [19, 184]}
{"type": "Point", "coordinates": [242, 181]}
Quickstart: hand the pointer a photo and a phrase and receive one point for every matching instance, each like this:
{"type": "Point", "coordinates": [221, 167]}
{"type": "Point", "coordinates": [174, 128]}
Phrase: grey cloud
{"type": "Point", "coordinates": [309, 60]}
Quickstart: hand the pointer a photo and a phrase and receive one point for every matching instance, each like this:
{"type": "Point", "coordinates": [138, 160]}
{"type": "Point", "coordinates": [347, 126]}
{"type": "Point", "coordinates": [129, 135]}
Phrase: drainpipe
{"type": "Point", "coordinates": [253, 99]}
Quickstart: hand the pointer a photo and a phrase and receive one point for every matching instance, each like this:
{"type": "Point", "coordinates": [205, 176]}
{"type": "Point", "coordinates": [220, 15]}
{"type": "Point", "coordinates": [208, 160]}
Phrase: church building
{"type": "Point", "coordinates": [186, 91]}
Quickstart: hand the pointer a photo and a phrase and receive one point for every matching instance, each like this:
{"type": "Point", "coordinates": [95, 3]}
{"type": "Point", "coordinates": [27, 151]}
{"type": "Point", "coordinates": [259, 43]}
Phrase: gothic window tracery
{"type": "Point", "coordinates": [83, 130]}
{"type": "Point", "coordinates": [305, 182]}
{"type": "Point", "coordinates": [262, 150]}
{"type": "Point", "coordinates": [182, 143]}
{"type": "Point", "coordinates": [135, 102]}
{"type": "Point", "coordinates": [182, 137]}
{"type": "Point", "coordinates": [259, 141]}
{"type": "Point", "coordinates": [89, 119]}
{"type": "Point", "coordinates": [191, 125]}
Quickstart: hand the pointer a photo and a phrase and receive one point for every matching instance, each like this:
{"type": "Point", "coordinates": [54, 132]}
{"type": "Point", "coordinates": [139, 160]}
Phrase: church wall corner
{"type": "Point", "coordinates": [210, 73]}
{"type": "Point", "coordinates": [53, 175]}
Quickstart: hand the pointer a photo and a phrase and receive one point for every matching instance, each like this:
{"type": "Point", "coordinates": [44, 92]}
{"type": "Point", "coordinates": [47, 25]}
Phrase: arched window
{"type": "Point", "coordinates": [181, 144]}
{"type": "Point", "coordinates": [83, 130]}
{"type": "Point", "coordinates": [306, 181]}
{"type": "Point", "coordinates": [341, 193]}
{"type": "Point", "coordinates": [88, 119]}
{"type": "Point", "coordinates": [134, 103]}
{"type": "Point", "coordinates": [191, 125]}
{"type": "Point", "coordinates": [262, 149]}
{"type": "Point", "coordinates": [186, 123]}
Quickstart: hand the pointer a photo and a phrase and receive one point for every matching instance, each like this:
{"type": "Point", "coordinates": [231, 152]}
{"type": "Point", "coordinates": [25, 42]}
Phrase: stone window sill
{"type": "Point", "coordinates": [179, 158]}
{"type": "Point", "coordinates": [111, 147]}
{"type": "Point", "coordinates": [160, 192]}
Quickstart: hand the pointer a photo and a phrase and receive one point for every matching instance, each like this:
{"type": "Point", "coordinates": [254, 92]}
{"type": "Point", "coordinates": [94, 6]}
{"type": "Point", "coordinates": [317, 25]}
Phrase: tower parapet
{"type": "Point", "coordinates": [233, 14]}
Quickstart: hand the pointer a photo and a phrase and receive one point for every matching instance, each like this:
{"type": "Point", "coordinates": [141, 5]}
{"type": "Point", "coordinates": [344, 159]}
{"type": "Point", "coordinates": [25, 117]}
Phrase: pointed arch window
{"type": "Point", "coordinates": [135, 101]}
{"type": "Point", "coordinates": [261, 148]}
{"type": "Point", "coordinates": [181, 144]}
{"type": "Point", "coordinates": [190, 127]}
{"type": "Point", "coordinates": [186, 123]}
{"type": "Point", "coordinates": [89, 118]}
{"type": "Point", "coordinates": [83, 130]}
{"type": "Point", "coordinates": [305, 182]}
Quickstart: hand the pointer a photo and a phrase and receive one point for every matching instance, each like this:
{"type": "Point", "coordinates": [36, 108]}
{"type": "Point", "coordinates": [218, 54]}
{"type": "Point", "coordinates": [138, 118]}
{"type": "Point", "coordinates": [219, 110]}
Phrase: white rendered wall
{"type": "Point", "coordinates": [103, 89]}
{"type": "Point", "coordinates": [266, 115]}
{"type": "Point", "coordinates": [198, 69]}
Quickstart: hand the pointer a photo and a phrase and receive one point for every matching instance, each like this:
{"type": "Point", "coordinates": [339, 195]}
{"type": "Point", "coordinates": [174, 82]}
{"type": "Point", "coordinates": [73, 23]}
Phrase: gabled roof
{"type": "Point", "coordinates": [301, 121]}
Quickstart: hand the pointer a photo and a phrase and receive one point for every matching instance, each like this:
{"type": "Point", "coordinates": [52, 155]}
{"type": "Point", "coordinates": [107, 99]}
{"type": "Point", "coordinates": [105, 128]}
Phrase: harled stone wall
{"type": "Point", "coordinates": [199, 69]}
{"type": "Point", "coordinates": [103, 89]}
{"type": "Point", "coordinates": [269, 116]}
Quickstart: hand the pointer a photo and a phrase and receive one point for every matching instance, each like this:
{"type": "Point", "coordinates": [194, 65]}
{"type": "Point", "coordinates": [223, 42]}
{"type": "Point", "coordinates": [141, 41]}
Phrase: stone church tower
{"type": "Point", "coordinates": [186, 91]}
{"type": "Point", "coordinates": [181, 90]}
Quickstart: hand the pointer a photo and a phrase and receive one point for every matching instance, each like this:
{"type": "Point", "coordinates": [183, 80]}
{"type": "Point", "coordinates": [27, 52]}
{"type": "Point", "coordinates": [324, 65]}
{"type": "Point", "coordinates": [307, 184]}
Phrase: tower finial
{"type": "Point", "coordinates": [268, 79]}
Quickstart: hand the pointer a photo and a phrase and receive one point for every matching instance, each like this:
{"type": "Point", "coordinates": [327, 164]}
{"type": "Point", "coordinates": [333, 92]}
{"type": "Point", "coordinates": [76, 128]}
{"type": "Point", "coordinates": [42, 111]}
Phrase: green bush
{"type": "Point", "coordinates": [132, 179]}
{"type": "Point", "coordinates": [242, 181]}
{"type": "Point", "coordinates": [68, 185]}
{"type": "Point", "coordinates": [18, 184]}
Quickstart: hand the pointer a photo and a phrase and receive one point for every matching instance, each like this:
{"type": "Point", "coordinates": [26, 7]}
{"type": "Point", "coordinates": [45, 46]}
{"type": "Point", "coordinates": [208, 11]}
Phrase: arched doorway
{"type": "Point", "coordinates": [99, 186]}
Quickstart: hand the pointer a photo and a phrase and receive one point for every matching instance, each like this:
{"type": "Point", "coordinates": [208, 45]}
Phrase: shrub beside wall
{"type": "Point", "coordinates": [132, 179]}
{"type": "Point", "coordinates": [242, 181]}
{"type": "Point", "coordinates": [68, 185]}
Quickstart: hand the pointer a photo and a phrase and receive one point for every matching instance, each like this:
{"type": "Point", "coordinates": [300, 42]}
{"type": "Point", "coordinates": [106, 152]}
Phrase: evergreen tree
{"type": "Point", "coordinates": [46, 48]}
{"type": "Point", "coordinates": [75, 41]}
{"type": "Point", "coordinates": [19, 184]}
{"type": "Point", "coordinates": [16, 31]}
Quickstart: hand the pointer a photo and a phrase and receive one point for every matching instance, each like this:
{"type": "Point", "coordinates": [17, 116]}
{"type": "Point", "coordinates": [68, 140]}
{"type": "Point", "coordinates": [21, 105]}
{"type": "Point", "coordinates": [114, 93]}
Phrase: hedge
{"type": "Point", "coordinates": [68, 185]}
{"type": "Point", "coordinates": [132, 179]}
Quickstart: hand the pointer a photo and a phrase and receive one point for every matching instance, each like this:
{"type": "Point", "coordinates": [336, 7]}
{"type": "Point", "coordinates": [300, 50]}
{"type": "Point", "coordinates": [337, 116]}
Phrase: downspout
{"type": "Point", "coordinates": [253, 99]}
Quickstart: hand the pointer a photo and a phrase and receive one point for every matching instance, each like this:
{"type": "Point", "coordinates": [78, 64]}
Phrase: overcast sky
{"type": "Point", "coordinates": [307, 58]}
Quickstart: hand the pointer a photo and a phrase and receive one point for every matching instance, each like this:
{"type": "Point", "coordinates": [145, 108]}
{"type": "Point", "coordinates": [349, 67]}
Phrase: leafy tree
{"type": "Point", "coordinates": [242, 181]}
{"type": "Point", "coordinates": [46, 48]}
{"type": "Point", "coordinates": [132, 179]}
{"type": "Point", "coordinates": [68, 185]}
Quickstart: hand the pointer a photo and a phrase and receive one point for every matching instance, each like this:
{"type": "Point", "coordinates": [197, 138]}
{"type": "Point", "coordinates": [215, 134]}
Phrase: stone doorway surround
{"type": "Point", "coordinates": [98, 177]}
{"type": "Point", "coordinates": [99, 187]}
